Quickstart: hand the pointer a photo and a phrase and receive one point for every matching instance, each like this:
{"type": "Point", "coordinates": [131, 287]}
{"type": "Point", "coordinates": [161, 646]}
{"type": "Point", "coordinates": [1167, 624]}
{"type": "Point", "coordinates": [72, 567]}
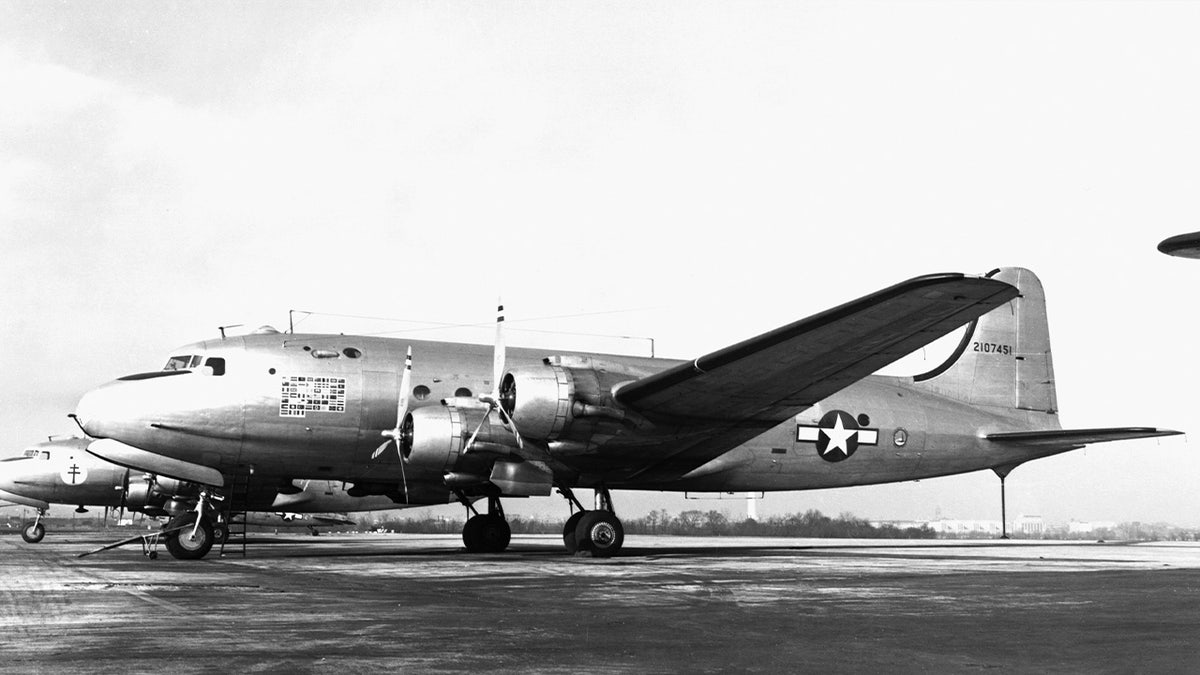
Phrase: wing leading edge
{"type": "Point", "coordinates": [738, 392]}
{"type": "Point", "coordinates": [772, 376]}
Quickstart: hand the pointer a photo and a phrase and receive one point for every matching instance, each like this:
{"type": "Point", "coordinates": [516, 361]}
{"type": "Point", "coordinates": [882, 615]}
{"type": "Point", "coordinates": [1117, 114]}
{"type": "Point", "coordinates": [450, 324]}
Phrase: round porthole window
{"type": "Point", "coordinates": [462, 392]}
{"type": "Point", "coordinates": [351, 353]}
{"type": "Point", "coordinates": [421, 392]}
{"type": "Point", "coordinates": [900, 437]}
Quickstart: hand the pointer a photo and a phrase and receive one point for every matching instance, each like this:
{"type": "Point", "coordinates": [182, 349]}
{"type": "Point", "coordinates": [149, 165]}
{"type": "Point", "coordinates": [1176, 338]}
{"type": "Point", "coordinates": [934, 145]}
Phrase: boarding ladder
{"type": "Point", "coordinates": [234, 513]}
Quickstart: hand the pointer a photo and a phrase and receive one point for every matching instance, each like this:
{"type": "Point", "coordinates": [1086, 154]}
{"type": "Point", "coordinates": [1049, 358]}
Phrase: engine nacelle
{"type": "Point", "coordinates": [539, 400]}
{"type": "Point", "coordinates": [432, 437]}
{"type": "Point", "coordinates": [175, 488]}
{"type": "Point", "coordinates": [139, 493]}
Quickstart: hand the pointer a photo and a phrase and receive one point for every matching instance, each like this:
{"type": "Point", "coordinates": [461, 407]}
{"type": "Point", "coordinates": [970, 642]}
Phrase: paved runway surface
{"type": "Point", "coordinates": [417, 603]}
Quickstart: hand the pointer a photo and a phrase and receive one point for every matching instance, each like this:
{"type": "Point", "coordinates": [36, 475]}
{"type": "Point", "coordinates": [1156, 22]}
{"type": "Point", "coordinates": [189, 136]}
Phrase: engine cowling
{"type": "Point", "coordinates": [138, 493]}
{"type": "Point", "coordinates": [539, 400]}
{"type": "Point", "coordinates": [432, 437]}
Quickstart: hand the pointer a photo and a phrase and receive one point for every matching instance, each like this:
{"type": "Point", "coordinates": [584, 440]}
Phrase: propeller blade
{"type": "Point", "coordinates": [498, 352]}
{"type": "Point", "coordinates": [405, 385]}
{"type": "Point", "coordinates": [403, 477]}
{"type": "Point", "coordinates": [471, 443]}
{"type": "Point", "coordinates": [511, 424]}
{"type": "Point", "coordinates": [380, 449]}
{"type": "Point", "coordinates": [401, 411]}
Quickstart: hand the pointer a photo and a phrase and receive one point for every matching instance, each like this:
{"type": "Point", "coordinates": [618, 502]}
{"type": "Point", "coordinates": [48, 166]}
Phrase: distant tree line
{"type": "Point", "coordinates": [695, 524]}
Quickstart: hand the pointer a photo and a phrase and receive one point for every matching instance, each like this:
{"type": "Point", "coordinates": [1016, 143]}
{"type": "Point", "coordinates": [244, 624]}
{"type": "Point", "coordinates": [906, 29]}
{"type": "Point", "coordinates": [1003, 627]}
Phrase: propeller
{"type": "Point", "coordinates": [394, 435]}
{"type": "Point", "coordinates": [493, 399]}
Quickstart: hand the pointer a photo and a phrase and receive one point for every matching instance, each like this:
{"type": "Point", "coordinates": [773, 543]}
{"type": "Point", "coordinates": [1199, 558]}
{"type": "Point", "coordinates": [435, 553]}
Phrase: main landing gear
{"type": "Point", "coordinates": [598, 531]}
{"type": "Point", "coordinates": [485, 532]}
{"type": "Point", "coordinates": [34, 531]}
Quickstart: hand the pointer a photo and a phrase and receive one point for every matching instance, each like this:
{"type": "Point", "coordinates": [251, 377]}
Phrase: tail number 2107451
{"type": "Point", "coordinates": [992, 348]}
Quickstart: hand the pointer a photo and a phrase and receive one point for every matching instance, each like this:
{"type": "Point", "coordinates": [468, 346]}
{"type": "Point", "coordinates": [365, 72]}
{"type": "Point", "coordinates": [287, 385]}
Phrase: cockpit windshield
{"type": "Point", "coordinates": [182, 362]}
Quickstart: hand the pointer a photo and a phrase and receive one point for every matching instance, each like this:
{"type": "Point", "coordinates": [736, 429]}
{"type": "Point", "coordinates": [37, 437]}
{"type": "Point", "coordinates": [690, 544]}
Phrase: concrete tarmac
{"type": "Point", "coordinates": [418, 603]}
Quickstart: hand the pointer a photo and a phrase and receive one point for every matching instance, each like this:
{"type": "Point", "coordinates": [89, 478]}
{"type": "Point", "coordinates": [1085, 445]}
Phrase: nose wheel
{"type": "Point", "coordinates": [190, 540]}
{"type": "Point", "coordinates": [34, 531]}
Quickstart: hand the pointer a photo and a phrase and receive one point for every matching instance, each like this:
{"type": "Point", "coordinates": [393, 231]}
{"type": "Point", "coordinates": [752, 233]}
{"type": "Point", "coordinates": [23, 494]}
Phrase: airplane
{"type": "Point", "coordinates": [61, 471]}
{"type": "Point", "coordinates": [796, 408]}
{"type": "Point", "coordinates": [1185, 245]}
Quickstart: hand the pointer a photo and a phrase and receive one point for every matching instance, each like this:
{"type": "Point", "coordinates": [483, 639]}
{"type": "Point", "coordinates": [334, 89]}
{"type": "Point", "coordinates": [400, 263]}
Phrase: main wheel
{"type": "Point", "coordinates": [190, 543]}
{"type": "Point", "coordinates": [33, 532]}
{"type": "Point", "coordinates": [220, 533]}
{"type": "Point", "coordinates": [472, 533]}
{"type": "Point", "coordinates": [601, 533]}
{"type": "Point", "coordinates": [486, 533]}
{"type": "Point", "coordinates": [495, 533]}
{"type": "Point", "coordinates": [569, 531]}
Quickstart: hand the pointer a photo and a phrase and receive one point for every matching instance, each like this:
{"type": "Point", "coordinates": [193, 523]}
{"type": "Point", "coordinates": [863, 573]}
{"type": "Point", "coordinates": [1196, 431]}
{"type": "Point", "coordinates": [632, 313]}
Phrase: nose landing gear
{"type": "Point", "coordinates": [34, 531]}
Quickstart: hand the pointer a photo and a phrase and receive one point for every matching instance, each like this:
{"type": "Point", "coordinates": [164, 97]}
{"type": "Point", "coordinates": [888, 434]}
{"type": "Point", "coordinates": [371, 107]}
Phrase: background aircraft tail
{"type": "Point", "coordinates": [1003, 360]}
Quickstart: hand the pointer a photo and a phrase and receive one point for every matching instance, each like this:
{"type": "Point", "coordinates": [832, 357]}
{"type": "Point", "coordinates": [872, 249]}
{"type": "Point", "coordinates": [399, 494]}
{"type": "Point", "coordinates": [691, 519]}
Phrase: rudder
{"type": "Point", "coordinates": [1003, 359]}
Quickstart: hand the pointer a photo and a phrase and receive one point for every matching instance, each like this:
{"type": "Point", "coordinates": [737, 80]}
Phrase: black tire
{"type": "Point", "coordinates": [220, 534]}
{"type": "Point", "coordinates": [472, 534]}
{"type": "Point", "coordinates": [601, 533]}
{"type": "Point", "coordinates": [32, 533]}
{"type": "Point", "coordinates": [486, 533]}
{"type": "Point", "coordinates": [569, 540]}
{"type": "Point", "coordinates": [190, 543]}
{"type": "Point", "coordinates": [495, 534]}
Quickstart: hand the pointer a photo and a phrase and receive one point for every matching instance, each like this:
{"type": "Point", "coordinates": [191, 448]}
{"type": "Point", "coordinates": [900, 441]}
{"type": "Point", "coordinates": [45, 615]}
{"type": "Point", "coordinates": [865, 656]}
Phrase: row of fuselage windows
{"type": "Point", "coordinates": [217, 364]}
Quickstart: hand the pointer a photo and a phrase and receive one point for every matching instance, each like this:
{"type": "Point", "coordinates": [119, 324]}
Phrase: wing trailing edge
{"type": "Point", "coordinates": [1071, 438]}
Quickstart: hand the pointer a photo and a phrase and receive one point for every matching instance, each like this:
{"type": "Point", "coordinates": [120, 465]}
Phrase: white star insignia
{"type": "Point", "coordinates": [838, 437]}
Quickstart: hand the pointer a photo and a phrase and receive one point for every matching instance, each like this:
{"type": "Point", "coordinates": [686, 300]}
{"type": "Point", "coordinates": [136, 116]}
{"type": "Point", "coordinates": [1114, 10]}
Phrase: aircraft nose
{"type": "Point", "coordinates": [8, 478]}
{"type": "Point", "coordinates": [108, 408]}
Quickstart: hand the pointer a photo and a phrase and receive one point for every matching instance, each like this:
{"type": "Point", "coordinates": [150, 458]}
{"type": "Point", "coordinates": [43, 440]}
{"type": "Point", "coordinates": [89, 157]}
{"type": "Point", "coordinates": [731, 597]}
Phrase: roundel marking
{"type": "Point", "coordinates": [74, 473]}
{"type": "Point", "coordinates": [837, 435]}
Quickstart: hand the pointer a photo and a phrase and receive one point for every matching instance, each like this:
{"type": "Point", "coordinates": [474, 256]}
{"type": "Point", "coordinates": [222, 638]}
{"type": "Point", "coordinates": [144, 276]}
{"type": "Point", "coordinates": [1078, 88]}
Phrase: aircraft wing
{"type": "Point", "coordinates": [775, 375]}
{"type": "Point", "coordinates": [737, 392]}
{"type": "Point", "coordinates": [331, 519]}
{"type": "Point", "coordinates": [1058, 438]}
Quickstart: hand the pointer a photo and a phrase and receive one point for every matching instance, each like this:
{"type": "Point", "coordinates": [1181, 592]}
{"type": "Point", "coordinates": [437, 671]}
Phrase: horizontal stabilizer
{"type": "Point", "coordinates": [330, 519]}
{"type": "Point", "coordinates": [1078, 437]}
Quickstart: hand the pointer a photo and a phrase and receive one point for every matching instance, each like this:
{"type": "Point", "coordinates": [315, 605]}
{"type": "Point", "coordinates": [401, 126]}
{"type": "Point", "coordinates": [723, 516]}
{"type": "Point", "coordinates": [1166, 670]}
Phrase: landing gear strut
{"type": "Point", "coordinates": [34, 531]}
{"type": "Point", "coordinates": [190, 536]}
{"type": "Point", "coordinates": [1002, 472]}
{"type": "Point", "coordinates": [598, 531]}
{"type": "Point", "coordinates": [485, 532]}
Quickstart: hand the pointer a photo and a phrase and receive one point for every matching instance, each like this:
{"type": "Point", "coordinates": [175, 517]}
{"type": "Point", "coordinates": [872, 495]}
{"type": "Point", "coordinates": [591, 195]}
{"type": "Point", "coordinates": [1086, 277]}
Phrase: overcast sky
{"type": "Point", "coordinates": [694, 172]}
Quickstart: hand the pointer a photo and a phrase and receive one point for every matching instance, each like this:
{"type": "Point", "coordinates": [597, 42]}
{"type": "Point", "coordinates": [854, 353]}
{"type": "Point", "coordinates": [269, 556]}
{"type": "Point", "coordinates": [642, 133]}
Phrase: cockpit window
{"type": "Point", "coordinates": [182, 362]}
{"type": "Point", "coordinates": [215, 365]}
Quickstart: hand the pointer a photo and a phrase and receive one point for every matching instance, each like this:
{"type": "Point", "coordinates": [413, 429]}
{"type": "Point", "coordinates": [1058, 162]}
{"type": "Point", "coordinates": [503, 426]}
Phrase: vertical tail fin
{"type": "Point", "coordinates": [1004, 357]}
